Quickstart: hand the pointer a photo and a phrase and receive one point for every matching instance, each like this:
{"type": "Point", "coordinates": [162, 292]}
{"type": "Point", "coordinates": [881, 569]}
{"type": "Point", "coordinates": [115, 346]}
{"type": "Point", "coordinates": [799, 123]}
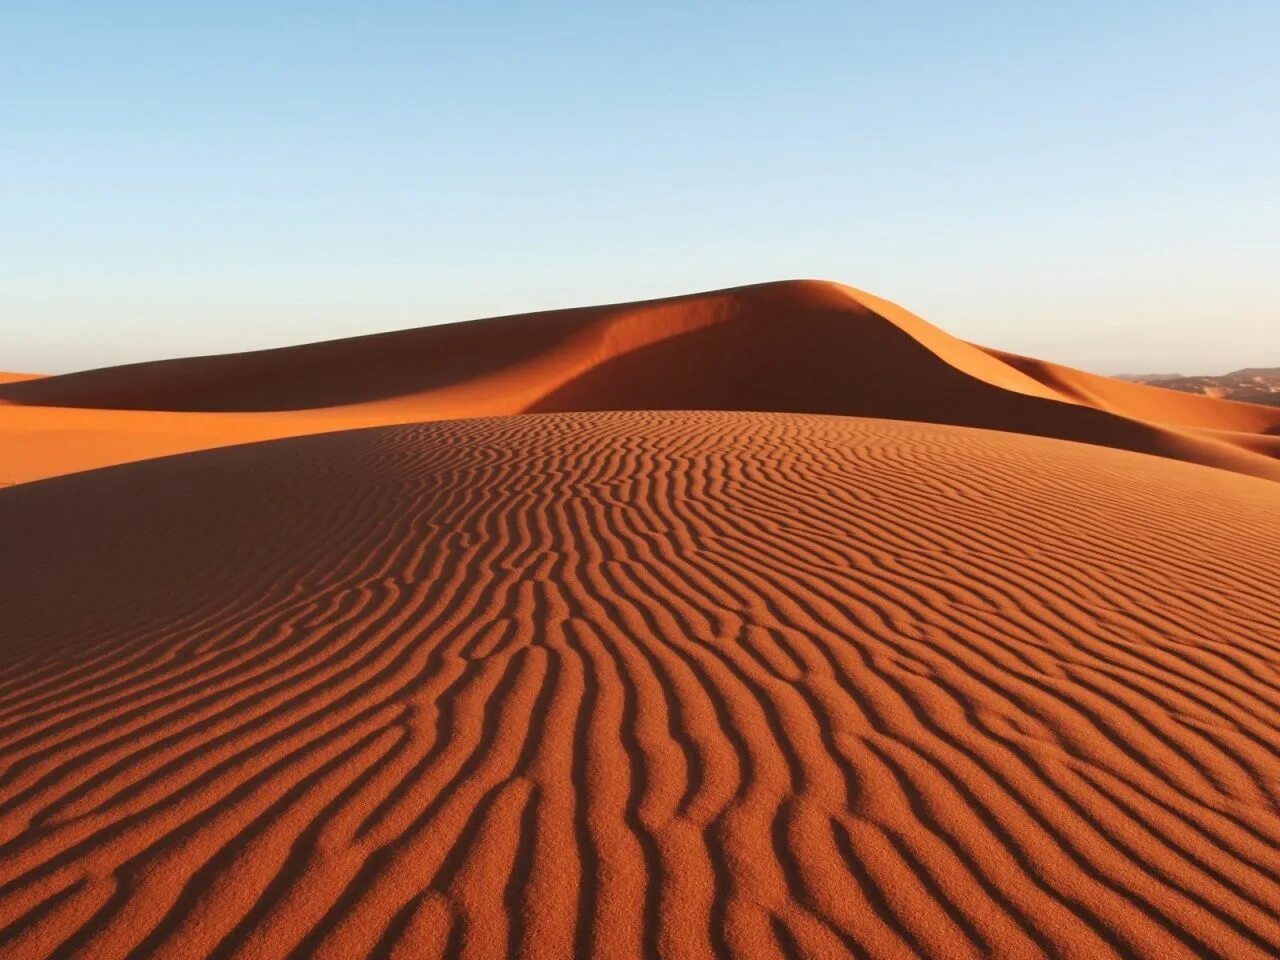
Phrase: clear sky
{"type": "Point", "coordinates": [1094, 183]}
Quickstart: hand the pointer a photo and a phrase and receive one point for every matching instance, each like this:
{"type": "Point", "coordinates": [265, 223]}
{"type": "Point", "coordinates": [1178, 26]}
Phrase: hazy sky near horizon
{"type": "Point", "coordinates": [1093, 183]}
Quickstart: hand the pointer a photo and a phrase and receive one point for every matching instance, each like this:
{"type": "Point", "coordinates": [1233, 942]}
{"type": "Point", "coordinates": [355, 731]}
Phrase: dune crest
{"type": "Point", "coordinates": [794, 346]}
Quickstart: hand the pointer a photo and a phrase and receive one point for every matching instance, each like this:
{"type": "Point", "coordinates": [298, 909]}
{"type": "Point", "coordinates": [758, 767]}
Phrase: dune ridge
{"type": "Point", "coordinates": [794, 346]}
{"type": "Point", "coordinates": [766, 622]}
{"type": "Point", "coordinates": [676, 684]}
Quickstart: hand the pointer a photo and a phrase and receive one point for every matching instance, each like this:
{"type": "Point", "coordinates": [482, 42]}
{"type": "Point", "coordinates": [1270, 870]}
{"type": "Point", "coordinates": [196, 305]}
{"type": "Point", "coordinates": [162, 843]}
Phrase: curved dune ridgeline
{"type": "Point", "coordinates": [706, 627]}
{"type": "Point", "coordinates": [796, 346]}
{"type": "Point", "coordinates": [645, 684]}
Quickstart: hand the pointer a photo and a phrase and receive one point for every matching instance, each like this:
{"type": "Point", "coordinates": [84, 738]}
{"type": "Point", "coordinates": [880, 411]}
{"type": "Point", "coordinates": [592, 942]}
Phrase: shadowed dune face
{"type": "Point", "coordinates": [798, 346]}
{"type": "Point", "coordinates": [1145, 401]}
{"type": "Point", "coordinates": [642, 684]}
{"type": "Point", "coordinates": [333, 373]}
{"type": "Point", "coordinates": [828, 363]}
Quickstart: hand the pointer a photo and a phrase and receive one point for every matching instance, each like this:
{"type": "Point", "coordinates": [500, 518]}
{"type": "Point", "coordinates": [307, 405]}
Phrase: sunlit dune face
{"type": "Point", "coordinates": [797, 346]}
{"type": "Point", "coordinates": [642, 684]}
{"type": "Point", "coordinates": [767, 622]}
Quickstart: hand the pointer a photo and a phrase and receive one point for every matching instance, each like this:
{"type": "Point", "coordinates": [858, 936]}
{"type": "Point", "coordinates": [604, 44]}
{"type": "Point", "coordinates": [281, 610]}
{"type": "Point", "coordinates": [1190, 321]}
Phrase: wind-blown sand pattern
{"type": "Point", "coordinates": [511, 638]}
{"type": "Point", "coordinates": [642, 684]}
{"type": "Point", "coordinates": [802, 346]}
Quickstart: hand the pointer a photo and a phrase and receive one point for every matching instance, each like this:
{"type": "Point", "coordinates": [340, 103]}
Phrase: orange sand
{"type": "Point", "coordinates": [650, 683]}
{"type": "Point", "coordinates": [798, 346]}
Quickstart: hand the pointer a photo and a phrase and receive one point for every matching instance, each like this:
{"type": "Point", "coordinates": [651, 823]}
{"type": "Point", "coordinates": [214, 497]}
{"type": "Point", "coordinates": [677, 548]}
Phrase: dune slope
{"type": "Point", "coordinates": [642, 684]}
{"type": "Point", "coordinates": [798, 346]}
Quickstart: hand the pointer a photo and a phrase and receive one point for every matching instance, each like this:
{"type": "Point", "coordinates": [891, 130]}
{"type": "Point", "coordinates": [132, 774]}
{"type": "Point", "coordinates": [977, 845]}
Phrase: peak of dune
{"type": "Point", "coordinates": [792, 346]}
{"type": "Point", "coordinates": [762, 342]}
{"type": "Point", "coordinates": [665, 629]}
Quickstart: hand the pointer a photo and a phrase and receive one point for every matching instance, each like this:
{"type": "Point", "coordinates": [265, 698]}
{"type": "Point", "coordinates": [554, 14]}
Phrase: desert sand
{"type": "Point", "coordinates": [771, 622]}
{"type": "Point", "coordinates": [801, 346]}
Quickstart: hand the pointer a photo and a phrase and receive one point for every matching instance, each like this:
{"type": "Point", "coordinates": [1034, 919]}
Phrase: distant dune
{"type": "Point", "coordinates": [857, 656]}
{"type": "Point", "coordinates": [798, 346]}
{"type": "Point", "coordinates": [1250, 385]}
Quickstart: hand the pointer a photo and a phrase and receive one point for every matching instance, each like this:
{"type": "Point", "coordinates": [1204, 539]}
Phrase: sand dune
{"type": "Point", "coordinates": [799, 346]}
{"type": "Point", "coordinates": [1145, 402]}
{"type": "Point", "coordinates": [642, 684]}
{"type": "Point", "coordinates": [699, 627]}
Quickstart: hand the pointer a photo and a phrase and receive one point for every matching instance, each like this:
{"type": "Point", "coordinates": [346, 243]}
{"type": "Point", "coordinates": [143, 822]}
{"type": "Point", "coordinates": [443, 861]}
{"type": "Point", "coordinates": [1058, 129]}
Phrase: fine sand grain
{"type": "Point", "coordinates": [640, 684]}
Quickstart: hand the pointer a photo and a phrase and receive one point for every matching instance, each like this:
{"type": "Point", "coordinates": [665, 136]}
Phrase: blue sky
{"type": "Point", "coordinates": [1094, 183]}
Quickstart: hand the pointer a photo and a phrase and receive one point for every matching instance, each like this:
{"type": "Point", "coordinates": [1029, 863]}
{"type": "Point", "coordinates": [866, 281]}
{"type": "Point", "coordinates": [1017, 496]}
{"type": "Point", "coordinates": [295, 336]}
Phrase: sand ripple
{"type": "Point", "coordinates": [640, 685]}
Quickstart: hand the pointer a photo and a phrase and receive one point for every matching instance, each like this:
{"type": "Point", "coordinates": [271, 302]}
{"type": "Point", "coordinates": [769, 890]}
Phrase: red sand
{"type": "Point", "coordinates": [801, 346]}
{"type": "Point", "coordinates": [647, 683]}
